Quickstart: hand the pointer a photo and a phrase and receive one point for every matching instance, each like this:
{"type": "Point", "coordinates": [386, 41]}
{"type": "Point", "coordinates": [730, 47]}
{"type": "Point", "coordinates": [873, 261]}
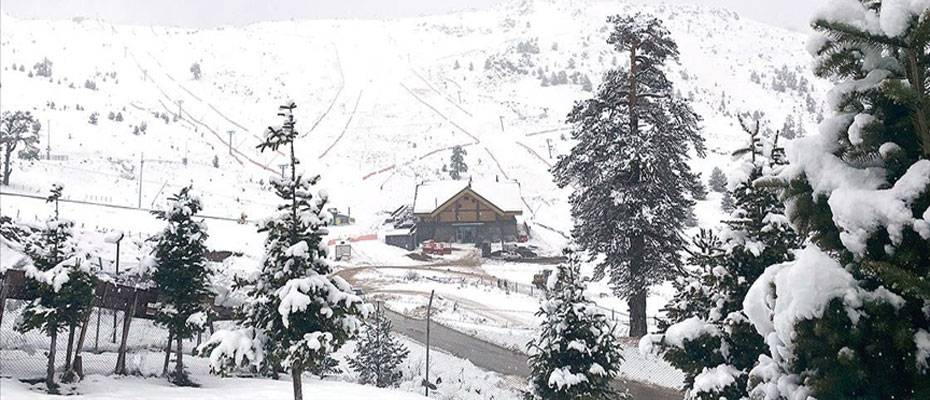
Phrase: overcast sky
{"type": "Point", "coordinates": [792, 14]}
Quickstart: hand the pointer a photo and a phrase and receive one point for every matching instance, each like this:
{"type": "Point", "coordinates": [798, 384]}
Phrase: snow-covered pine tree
{"type": "Point", "coordinates": [575, 354]}
{"type": "Point", "coordinates": [629, 167]}
{"type": "Point", "coordinates": [60, 283]}
{"type": "Point", "coordinates": [181, 274]}
{"type": "Point", "coordinates": [457, 166]}
{"type": "Point", "coordinates": [378, 354]}
{"type": "Point", "coordinates": [17, 129]}
{"type": "Point", "coordinates": [709, 338]}
{"type": "Point", "coordinates": [727, 203]}
{"type": "Point", "coordinates": [850, 316]}
{"type": "Point", "coordinates": [297, 313]}
{"type": "Point", "coordinates": [718, 181]}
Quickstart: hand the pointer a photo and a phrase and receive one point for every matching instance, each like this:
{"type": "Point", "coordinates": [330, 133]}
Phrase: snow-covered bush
{"type": "Point", "coordinates": [575, 354]}
{"type": "Point", "coordinates": [378, 355]}
{"type": "Point", "coordinates": [846, 318]}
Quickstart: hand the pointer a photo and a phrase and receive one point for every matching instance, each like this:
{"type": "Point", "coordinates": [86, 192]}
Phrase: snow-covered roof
{"type": "Point", "coordinates": [505, 195]}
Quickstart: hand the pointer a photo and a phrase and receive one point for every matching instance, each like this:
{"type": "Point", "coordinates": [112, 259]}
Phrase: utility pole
{"type": "Point", "coordinates": [230, 140]}
{"type": "Point", "coordinates": [502, 122]}
{"type": "Point", "coordinates": [429, 309]}
{"type": "Point", "coordinates": [141, 164]}
{"type": "Point", "coordinates": [180, 110]}
{"type": "Point", "coordinates": [549, 144]}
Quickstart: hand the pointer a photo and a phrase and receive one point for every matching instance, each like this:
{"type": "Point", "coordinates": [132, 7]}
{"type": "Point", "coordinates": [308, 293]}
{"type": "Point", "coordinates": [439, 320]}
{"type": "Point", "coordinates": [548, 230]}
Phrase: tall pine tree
{"type": "Point", "coordinates": [60, 283]}
{"type": "Point", "coordinates": [707, 335]}
{"type": "Point", "coordinates": [297, 314]}
{"type": "Point", "coordinates": [850, 317]}
{"type": "Point", "coordinates": [378, 354]}
{"type": "Point", "coordinates": [181, 274]}
{"type": "Point", "coordinates": [575, 354]}
{"type": "Point", "coordinates": [629, 167]}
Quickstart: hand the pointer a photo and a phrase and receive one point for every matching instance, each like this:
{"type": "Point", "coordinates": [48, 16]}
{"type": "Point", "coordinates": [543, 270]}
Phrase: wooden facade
{"type": "Point", "coordinates": [467, 217]}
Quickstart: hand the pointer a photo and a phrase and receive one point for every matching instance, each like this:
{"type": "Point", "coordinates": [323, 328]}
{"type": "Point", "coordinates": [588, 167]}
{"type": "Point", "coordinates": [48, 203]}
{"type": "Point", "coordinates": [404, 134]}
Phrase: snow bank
{"type": "Point", "coordinates": [96, 387]}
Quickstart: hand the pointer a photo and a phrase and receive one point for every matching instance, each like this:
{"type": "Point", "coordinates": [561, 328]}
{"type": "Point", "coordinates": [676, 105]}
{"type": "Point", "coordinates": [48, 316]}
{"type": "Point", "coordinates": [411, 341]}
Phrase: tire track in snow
{"type": "Point", "coordinates": [440, 114]}
{"type": "Point", "coordinates": [533, 152]}
{"type": "Point", "coordinates": [342, 85]}
{"type": "Point", "coordinates": [344, 128]}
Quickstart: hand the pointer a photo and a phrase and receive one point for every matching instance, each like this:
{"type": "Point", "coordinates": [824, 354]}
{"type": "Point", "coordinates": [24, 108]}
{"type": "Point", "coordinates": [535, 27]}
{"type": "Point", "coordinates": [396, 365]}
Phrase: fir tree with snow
{"type": "Point", "coordinates": [297, 313]}
{"type": "Point", "coordinates": [457, 166]}
{"type": "Point", "coordinates": [727, 203]}
{"type": "Point", "coordinates": [378, 354]}
{"type": "Point", "coordinates": [61, 284]}
{"type": "Point", "coordinates": [718, 181]}
{"type": "Point", "coordinates": [850, 316]}
{"type": "Point", "coordinates": [195, 71]}
{"type": "Point", "coordinates": [574, 354]}
{"type": "Point", "coordinates": [706, 335]}
{"type": "Point", "coordinates": [181, 274]}
{"type": "Point", "coordinates": [629, 168]}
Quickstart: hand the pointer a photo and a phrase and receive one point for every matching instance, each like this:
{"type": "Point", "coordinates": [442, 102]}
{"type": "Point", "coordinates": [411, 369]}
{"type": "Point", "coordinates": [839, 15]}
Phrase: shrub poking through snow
{"type": "Point", "coordinates": [844, 319]}
{"type": "Point", "coordinates": [575, 354]}
{"type": "Point", "coordinates": [181, 274]}
{"type": "Point", "coordinates": [706, 334]}
{"type": "Point", "coordinates": [378, 354]}
{"type": "Point", "coordinates": [296, 314]}
{"type": "Point", "coordinates": [62, 285]}
{"type": "Point", "coordinates": [629, 166]}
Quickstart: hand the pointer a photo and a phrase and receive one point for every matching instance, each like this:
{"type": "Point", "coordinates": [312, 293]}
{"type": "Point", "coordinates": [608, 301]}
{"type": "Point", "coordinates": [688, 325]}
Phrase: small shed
{"type": "Point", "coordinates": [340, 218]}
{"type": "Point", "coordinates": [404, 238]}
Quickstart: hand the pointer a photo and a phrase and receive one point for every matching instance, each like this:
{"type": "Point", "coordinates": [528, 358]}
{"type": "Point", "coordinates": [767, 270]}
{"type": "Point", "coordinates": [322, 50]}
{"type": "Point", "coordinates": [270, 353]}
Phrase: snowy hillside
{"type": "Point", "coordinates": [382, 102]}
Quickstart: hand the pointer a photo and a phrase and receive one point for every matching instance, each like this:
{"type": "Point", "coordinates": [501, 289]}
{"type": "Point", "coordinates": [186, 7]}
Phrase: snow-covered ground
{"type": "Point", "coordinates": [381, 104]}
{"type": "Point", "coordinates": [98, 387]}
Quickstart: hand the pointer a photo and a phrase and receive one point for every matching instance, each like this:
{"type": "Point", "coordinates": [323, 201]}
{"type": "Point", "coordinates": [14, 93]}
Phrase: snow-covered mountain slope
{"type": "Point", "coordinates": [381, 102]}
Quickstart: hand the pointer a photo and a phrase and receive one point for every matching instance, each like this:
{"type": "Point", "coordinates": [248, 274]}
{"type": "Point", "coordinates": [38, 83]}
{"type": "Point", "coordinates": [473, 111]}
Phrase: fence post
{"type": "Point", "coordinates": [2, 296]}
{"type": "Point", "coordinates": [103, 301]}
{"type": "Point", "coordinates": [78, 366]}
{"type": "Point", "coordinates": [127, 320]}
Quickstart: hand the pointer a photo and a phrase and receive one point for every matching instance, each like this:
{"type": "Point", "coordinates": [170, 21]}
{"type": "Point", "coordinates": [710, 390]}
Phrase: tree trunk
{"type": "Point", "coordinates": [50, 384]}
{"type": "Point", "coordinates": [179, 364]}
{"type": "Point", "coordinates": [6, 165]}
{"type": "Point", "coordinates": [637, 304]}
{"type": "Point", "coordinates": [298, 389]}
{"type": "Point", "coordinates": [70, 345]}
{"type": "Point", "coordinates": [164, 368]}
{"type": "Point", "coordinates": [68, 375]}
{"type": "Point", "coordinates": [77, 367]}
{"type": "Point", "coordinates": [637, 299]}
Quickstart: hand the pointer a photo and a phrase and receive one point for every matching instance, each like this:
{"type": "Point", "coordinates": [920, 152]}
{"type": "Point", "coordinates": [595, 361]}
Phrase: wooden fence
{"type": "Point", "coordinates": [133, 302]}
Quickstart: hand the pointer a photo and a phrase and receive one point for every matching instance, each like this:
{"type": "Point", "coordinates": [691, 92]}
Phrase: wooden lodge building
{"type": "Point", "coordinates": [468, 212]}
